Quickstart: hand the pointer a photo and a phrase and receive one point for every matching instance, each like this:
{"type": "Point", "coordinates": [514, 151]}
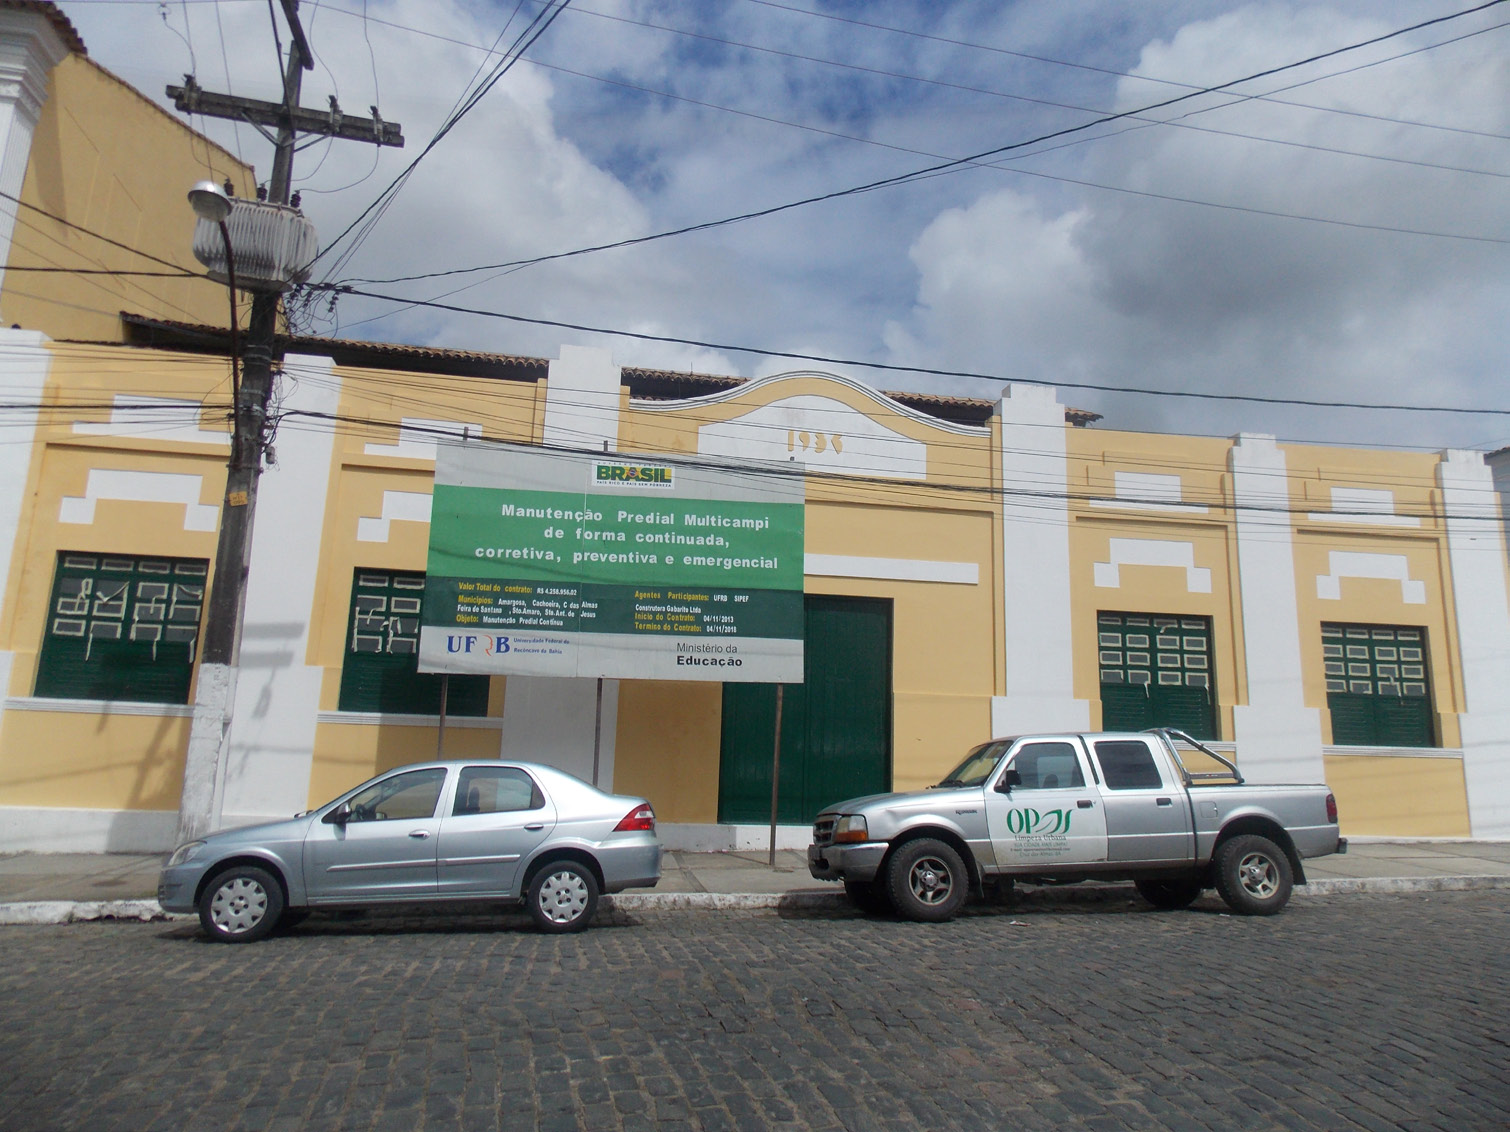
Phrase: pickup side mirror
{"type": "Point", "coordinates": [338, 816]}
{"type": "Point", "coordinates": [1010, 778]}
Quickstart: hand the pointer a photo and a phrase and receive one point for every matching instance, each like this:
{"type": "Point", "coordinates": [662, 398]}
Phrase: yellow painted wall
{"type": "Point", "coordinates": [107, 159]}
{"type": "Point", "coordinates": [661, 748]}
{"type": "Point", "coordinates": [1386, 796]}
{"type": "Point", "coordinates": [89, 761]}
{"type": "Point", "coordinates": [1095, 458]}
{"type": "Point", "coordinates": [347, 755]}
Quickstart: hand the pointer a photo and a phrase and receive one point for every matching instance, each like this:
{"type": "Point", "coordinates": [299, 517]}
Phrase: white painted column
{"type": "Point", "coordinates": [1039, 634]}
{"type": "Point", "coordinates": [551, 719]}
{"type": "Point", "coordinates": [29, 49]}
{"type": "Point", "coordinates": [24, 364]}
{"type": "Point", "coordinates": [277, 693]}
{"type": "Point", "coordinates": [1278, 736]}
{"type": "Point", "coordinates": [1476, 551]}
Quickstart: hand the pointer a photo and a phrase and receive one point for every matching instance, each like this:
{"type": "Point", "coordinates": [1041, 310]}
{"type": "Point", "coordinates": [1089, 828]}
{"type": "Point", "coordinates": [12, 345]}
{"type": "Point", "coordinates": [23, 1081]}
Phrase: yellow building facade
{"type": "Point", "coordinates": [93, 176]}
{"type": "Point", "coordinates": [971, 568]}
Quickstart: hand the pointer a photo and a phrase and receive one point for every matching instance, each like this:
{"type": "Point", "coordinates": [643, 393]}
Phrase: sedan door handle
{"type": "Point", "coordinates": [421, 834]}
{"type": "Point", "coordinates": [1085, 804]}
{"type": "Point", "coordinates": [535, 827]}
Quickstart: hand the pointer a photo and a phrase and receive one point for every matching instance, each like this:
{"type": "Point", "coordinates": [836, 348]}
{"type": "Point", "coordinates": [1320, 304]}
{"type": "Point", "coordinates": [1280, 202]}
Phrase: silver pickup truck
{"type": "Point", "coordinates": [1056, 809]}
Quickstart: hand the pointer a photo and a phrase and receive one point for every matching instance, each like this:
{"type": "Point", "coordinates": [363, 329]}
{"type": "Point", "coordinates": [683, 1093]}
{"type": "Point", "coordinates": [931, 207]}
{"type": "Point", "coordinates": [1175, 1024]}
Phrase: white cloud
{"type": "Point", "coordinates": [1017, 276]}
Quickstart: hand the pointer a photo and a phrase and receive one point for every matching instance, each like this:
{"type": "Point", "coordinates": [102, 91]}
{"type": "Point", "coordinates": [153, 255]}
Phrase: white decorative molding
{"type": "Point", "coordinates": [1144, 491]}
{"type": "Point", "coordinates": [277, 688]}
{"type": "Point", "coordinates": [49, 829]}
{"type": "Point", "coordinates": [115, 484]}
{"type": "Point", "coordinates": [24, 364]}
{"type": "Point", "coordinates": [403, 506]}
{"type": "Point", "coordinates": [97, 707]}
{"type": "Point", "coordinates": [818, 432]}
{"type": "Point", "coordinates": [1358, 564]}
{"type": "Point", "coordinates": [1278, 736]}
{"type": "Point", "coordinates": [1371, 505]}
{"type": "Point", "coordinates": [418, 436]}
{"type": "Point", "coordinates": [582, 392]}
{"type": "Point", "coordinates": [155, 419]}
{"type": "Point", "coordinates": [891, 569]}
{"type": "Point", "coordinates": [1476, 553]}
{"type": "Point", "coordinates": [1153, 552]}
{"type": "Point", "coordinates": [30, 47]}
{"type": "Point", "coordinates": [1037, 633]}
{"type": "Point", "coordinates": [758, 385]}
{"type": "Point", "coordinates": [1396, 752]}
{"type": "Point", "coordinates": [386, 719]}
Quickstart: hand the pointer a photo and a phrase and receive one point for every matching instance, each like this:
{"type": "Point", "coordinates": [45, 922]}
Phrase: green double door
{"type": "Point", "coordinates": [835, 726]}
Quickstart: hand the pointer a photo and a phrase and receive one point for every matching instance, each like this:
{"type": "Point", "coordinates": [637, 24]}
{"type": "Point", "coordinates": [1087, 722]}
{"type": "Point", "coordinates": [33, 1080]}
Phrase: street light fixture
{"type": "Point", "coordinates": [211, 203]}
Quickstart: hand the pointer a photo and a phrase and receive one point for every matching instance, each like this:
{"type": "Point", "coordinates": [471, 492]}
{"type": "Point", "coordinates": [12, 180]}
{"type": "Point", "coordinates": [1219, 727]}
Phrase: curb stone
{"type": "Point", "coordinates": [81, 911]}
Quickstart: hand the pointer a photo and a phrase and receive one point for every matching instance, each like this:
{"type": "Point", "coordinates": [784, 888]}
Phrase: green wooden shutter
{"type": "Point", "coordinates": [381, 669]}
{"type": "Point", "coordinates": [122, 627]}
{"type": "Point", "coordinates": [1378, 688]}
{"type": "Point", "coordinates": [1156, 672]}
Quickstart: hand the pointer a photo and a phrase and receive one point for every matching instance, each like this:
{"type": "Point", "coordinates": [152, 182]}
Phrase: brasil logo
{"type": "Point", "coordinates": [634, 475]}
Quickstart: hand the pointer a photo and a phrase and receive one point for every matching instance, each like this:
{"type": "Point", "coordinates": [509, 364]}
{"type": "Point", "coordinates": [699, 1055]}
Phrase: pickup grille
{"type": "Point", "coordinates": [823, 831]}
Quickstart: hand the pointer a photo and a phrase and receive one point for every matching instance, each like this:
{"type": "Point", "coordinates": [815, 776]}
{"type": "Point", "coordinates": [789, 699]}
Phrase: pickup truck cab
{"type": "Point", "coordinates": [1056, 809]}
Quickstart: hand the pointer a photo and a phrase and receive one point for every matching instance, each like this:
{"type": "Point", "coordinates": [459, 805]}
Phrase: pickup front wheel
{"type": "Point", "coordinates": [927, 881]}
{"type": "Point", "coordinates": [1253, 875]}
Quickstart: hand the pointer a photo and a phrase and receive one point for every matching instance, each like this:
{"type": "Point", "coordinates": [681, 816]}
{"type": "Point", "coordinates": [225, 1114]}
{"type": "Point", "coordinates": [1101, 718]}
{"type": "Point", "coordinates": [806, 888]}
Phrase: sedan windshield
{"type": "Point", "coordinates": [978, 764]}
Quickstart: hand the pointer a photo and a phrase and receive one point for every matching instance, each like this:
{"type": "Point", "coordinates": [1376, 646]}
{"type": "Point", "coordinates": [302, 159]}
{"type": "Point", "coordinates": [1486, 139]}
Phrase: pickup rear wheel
{"type": "Point", "coordinates": [1170, 893]}
{"type": "Point", "coordinates": [1253, 875]}
{"type": "Point", "coordinates": [927, 881]}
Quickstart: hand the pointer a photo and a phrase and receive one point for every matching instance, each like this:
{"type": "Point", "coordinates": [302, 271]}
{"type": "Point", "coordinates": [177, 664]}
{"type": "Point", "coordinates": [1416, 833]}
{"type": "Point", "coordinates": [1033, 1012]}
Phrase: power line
{"type": "Point", "coordinates": [977, 158]}
{"type": "Point", "coordinates": [526, 39]}
{"type": "Point", "coordinates": [924, 370]}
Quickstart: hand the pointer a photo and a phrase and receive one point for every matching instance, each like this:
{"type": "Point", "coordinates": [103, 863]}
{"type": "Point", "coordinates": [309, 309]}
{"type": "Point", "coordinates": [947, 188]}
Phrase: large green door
{"type": "Point", "coordinates": [835, 727]}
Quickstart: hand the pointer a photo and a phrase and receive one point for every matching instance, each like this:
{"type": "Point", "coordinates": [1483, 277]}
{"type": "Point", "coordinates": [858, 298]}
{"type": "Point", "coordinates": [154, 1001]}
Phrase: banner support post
{"type": "Point", "coordinates": [776, 772]}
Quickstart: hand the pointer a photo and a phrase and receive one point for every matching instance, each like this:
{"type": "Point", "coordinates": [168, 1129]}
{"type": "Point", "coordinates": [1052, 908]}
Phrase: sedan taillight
{"type": "Point", "coordinates": [641, 818]}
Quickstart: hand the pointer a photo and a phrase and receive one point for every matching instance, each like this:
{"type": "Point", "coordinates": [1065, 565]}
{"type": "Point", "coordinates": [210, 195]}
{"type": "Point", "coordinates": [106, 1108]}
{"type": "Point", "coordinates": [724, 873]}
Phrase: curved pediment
{"type": "Point", "coordinates": [822, 431]}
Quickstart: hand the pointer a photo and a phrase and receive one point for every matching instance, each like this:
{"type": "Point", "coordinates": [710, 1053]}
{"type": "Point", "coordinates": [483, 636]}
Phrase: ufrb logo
{"type": "Point", "coordinates": [634, 475]}
{"type": "Point", "coordinates": [469, 643]}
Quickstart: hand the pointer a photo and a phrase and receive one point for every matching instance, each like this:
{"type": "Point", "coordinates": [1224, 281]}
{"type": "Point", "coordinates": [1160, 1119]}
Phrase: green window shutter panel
{"type": "Point", "coordinates": [1125, 708]}
{"type": "Point", "coordinates": [1156, 671]}
{"type": "Point", "coordinates": [1378, 686]}
{"type": "Point", "coordinates": [381, 670]}
{"type": "Point", "coordinates": [121, 627]}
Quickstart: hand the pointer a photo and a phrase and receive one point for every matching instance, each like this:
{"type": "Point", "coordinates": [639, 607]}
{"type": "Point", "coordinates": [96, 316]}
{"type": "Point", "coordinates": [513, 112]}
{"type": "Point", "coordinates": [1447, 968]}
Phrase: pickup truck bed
{"type": "Point", "coordinates": [1063, 808]}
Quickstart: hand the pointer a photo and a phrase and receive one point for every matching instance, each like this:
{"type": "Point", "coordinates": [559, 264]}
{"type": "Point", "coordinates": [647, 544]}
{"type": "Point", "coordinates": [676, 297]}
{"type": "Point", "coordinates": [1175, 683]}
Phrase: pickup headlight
{"type": "Point", "coordinates": [185, 852]}
{"type": "Point", "coordinates": [851, 827]}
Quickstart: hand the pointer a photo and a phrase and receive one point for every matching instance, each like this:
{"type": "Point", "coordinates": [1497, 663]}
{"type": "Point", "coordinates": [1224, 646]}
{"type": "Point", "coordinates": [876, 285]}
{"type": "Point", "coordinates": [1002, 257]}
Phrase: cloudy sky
{"type": "Point", "coordinates": [1338, 231]}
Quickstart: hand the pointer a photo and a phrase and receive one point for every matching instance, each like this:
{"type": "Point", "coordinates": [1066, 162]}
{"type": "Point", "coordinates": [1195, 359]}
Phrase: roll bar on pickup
{"type": "Point", "coordinates": [1169, 735]}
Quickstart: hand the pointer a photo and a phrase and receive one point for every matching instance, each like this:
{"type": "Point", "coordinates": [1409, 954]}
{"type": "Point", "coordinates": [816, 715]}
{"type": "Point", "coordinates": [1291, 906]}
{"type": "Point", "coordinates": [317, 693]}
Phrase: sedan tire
{"type": "Point", "coordinates": [927, 881]}
{"type": "Point", "coordinates": [563, 897]}
{"type": "Point", "coordinates": [241, 905]}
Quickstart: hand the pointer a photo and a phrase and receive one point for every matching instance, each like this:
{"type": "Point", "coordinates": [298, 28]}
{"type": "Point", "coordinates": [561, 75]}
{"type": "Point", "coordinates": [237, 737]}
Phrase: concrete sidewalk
{"type": "Point", "coordinates": [62, 887]}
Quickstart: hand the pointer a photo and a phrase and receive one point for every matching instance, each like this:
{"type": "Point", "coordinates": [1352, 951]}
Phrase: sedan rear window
{"type": "Point", "coordinates": [496, 790]}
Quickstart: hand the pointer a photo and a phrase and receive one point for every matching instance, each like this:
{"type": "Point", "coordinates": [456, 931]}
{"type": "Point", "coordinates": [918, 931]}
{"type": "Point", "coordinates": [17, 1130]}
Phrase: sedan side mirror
{"type": "Point", "coordinates": [338, 816]}
{"type": "Point", "coordinates": [1010, 777]}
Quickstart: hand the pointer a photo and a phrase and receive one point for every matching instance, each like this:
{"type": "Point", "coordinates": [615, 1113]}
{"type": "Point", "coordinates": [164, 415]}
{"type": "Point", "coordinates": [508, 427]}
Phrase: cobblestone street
{"type": "Point", "coordinates": [1367, 1012]}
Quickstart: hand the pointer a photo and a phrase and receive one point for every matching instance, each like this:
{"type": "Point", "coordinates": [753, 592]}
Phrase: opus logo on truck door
{"type": "Point", "coordinates": [469, 643]}
{"type": "Point", "coordinates": [1027, 822]}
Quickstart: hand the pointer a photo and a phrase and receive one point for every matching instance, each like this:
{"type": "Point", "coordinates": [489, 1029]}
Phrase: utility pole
{"type": "Point", "coordinates": [209, 734]}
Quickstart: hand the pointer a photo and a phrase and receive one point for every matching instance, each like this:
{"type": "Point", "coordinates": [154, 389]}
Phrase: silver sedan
{"type": "Point", "coordinates": [426, 833]}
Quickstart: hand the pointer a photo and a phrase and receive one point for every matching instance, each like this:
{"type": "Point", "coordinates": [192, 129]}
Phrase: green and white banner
{"type": "Point", "coordinates": [546, 563]}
